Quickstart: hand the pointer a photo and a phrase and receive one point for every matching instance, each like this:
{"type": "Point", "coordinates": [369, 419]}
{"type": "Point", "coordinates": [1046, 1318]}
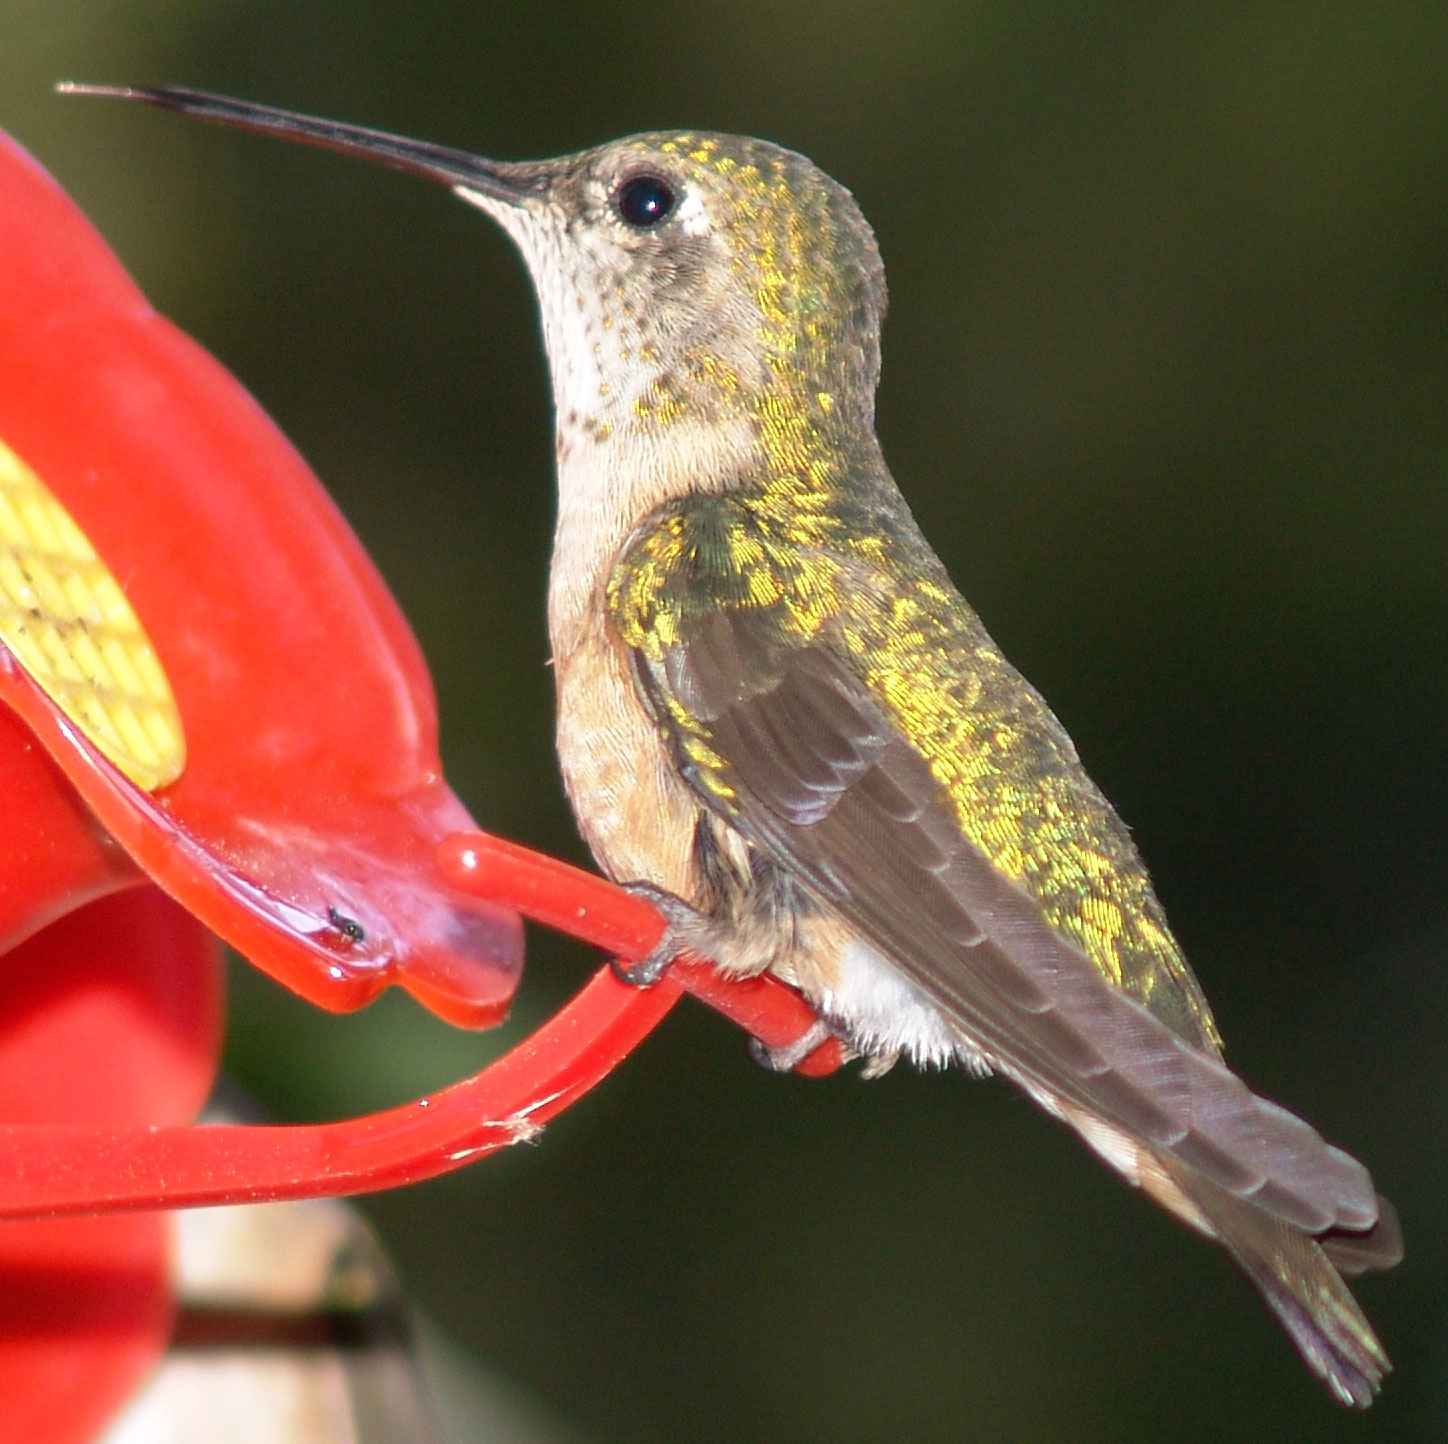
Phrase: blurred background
{"type": "Point", "coordinates": [1166, 380]}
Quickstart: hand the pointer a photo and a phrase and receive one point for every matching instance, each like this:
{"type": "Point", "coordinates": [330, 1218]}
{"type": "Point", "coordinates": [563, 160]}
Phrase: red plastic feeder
{"type": "Point", "coordinates": [216, 722]}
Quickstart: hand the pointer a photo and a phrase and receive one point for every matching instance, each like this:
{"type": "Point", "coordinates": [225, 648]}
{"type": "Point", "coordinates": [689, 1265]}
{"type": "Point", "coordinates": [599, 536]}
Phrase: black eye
{"type": "Point", "coordinates": [644, 200]}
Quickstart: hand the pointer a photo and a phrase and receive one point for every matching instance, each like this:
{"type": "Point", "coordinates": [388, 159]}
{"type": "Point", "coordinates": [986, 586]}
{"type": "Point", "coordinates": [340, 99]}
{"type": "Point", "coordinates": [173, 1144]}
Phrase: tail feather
{"type": "Point", "coordinates": [1294, 1273]}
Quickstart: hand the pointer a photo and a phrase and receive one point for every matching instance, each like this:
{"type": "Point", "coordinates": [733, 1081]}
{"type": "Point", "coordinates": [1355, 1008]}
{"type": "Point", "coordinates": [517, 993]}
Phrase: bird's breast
{"type": "Point", "coordinates": [634, 810]}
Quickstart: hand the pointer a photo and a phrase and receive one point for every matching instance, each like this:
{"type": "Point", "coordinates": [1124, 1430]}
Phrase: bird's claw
{"type": "Point", "coordinates": [645, 972]}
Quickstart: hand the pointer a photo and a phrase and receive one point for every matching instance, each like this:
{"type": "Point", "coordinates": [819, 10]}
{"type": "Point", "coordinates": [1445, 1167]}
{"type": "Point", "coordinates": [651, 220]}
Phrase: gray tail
{"type": "Point", "coordinates": [1295, 1273]}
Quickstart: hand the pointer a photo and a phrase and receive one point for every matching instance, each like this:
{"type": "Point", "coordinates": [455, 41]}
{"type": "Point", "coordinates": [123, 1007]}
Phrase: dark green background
{"type": "Point", "coordinates": [1166, 378]}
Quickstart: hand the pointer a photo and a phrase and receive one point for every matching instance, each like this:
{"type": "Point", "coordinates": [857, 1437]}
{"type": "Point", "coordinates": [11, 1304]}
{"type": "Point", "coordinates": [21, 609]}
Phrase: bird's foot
{"type": "Point", "coordinates": [686, 926]}
{"type": "Point", "coordinates": [788, 1057]}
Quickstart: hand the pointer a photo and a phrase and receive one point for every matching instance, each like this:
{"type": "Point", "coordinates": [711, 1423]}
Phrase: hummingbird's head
{"type": "Point", "coordinates": [685, 274]}
{"type": "Point", "coordinates": [692, 286]}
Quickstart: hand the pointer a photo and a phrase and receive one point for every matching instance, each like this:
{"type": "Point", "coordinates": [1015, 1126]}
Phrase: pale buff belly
{"type": "Point", "coordinates": [633, 810]}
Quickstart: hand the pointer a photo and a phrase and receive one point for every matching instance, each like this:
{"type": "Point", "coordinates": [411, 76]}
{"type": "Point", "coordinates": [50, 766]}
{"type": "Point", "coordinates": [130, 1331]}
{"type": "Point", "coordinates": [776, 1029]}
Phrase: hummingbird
{"type": "Point", "coordinates": [779, 719]}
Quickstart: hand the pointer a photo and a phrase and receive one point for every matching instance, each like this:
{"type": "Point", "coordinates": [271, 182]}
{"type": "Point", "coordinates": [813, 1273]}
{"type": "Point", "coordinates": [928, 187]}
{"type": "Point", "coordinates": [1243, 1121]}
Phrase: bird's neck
{"type": "Point", "coordinates": [630, 444]}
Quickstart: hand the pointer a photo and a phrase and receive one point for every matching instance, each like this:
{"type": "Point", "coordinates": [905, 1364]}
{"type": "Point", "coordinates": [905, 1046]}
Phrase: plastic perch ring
{"type": "Point", "coordinates": [50, 1170]}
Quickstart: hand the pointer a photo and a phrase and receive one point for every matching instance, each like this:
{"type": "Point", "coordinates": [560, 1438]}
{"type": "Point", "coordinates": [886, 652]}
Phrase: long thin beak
{"type": "Point", "coordinates": [498, 180]}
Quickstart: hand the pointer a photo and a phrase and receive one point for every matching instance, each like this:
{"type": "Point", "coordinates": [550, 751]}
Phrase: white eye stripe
{"type": "Point", "coordinates": [691, 215]}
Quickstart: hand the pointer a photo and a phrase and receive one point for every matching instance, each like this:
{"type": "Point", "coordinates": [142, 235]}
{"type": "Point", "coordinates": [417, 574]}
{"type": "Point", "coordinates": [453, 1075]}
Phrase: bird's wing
{"type": "Point", "coordinates": [779, 734]}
